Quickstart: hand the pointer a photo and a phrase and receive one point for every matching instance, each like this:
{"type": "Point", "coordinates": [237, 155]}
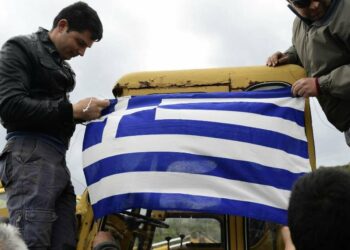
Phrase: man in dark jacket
{"type": "Point", "coordinates": [321, 35]}
{"type": "Point", "coordinates": [35, 109]}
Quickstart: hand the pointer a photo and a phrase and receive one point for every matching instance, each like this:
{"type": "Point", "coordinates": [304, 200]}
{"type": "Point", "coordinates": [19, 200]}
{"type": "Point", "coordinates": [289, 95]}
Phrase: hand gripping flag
{"type": "Point", "coordinates": [229, 153]}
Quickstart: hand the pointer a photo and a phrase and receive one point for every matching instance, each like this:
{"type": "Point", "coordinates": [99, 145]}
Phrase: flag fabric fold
{"type": "Point", "coordinates": [233, 153]}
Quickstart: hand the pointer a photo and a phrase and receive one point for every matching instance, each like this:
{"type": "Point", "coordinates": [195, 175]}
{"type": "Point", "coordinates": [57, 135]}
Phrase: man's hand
{"type": "Point", "coordinates": [287, 239]}
{"type": "Point", "coordinates": [89, 108]}
{"type": "Point", "coordinates": [305, 87]}
{"type": "Point", "coordinates": [277, 59]}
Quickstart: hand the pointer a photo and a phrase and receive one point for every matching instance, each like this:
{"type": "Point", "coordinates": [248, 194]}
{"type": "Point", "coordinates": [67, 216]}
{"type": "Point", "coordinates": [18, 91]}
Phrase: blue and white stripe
{"type": "Point", "coordinates": [236, 153]}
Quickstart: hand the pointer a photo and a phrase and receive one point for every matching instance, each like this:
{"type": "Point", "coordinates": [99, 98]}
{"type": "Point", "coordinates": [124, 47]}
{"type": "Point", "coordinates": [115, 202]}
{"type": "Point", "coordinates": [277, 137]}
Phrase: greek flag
{"type": "Point", "coordinates": [233, 153]}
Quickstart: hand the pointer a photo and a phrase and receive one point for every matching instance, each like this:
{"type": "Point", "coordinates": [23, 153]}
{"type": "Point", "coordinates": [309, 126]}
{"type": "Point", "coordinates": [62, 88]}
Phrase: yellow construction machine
{"type": "Point", "coordinates": [149, 229]}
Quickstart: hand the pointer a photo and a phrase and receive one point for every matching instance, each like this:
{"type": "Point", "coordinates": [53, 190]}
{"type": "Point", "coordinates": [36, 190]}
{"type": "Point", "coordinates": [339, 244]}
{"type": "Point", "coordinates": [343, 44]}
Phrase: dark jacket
{"type": "Point", "coordinates": [323, 49]}
{"type": "Point", "coordinates": [34, 83]}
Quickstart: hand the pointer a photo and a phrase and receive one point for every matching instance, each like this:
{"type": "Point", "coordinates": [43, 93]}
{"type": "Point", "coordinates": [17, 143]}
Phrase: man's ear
{"type": "Point", "coordinates": [62, 25]}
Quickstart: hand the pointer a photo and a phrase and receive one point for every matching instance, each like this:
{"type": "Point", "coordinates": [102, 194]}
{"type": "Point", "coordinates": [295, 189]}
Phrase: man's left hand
{"type": "Point", "coordinates": [305, 87]}
{"type": "Point", "coordinates": [287, 239]}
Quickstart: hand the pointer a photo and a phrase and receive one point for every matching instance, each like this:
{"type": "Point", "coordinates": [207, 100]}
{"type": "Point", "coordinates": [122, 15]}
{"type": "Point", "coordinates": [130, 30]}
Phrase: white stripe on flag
{"type": "Point", "coordinates": [198, 145]}
{"type": "Point", "coordinates": [235, 118]}
{"type": "Point", "coordinates": [113, 119]}
{"type": "Point", "coordinates": [192, 184]}
{"type": "Point", "coordinates": [295, 103]}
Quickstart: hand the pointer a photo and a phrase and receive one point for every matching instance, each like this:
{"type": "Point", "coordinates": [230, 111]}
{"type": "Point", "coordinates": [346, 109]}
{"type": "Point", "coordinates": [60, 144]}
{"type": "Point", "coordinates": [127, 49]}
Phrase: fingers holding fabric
{"type": "Point", "coordinates": [305, 87]}
{"type": "Point", "coordinates": [89, 108]}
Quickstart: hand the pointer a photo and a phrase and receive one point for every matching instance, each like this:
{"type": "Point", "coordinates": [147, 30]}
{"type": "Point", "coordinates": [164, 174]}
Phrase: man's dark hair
{"type": "Point", "coordinates": [319, 210]}
{"type": "Point", "coordinates": [81, 17]}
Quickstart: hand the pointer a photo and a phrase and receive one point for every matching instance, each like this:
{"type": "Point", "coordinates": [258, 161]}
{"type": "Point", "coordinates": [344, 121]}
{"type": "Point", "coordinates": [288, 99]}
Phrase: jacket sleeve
{"type": "Point", "coordinates": [16, 103]}
{"type": "Point", "coordinates": [337, 81]}
{"type": "Point", "coordinates": [292, 52]}
{"type": "Point", "coordinates": [293, 55]}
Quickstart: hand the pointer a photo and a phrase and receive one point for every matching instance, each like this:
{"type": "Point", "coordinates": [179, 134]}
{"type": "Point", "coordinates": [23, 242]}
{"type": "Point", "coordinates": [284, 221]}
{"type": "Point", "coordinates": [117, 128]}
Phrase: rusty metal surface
{"type": "Point", "coordinates": [235, 78]}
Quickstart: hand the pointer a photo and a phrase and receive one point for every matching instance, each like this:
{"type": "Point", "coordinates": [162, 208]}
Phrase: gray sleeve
{"type": "Point", "coordinates": [292, 52]}
{"type": "Point", "coordinates": [293, 57]}
{"type": "Point", "coordinates": [337, 82]}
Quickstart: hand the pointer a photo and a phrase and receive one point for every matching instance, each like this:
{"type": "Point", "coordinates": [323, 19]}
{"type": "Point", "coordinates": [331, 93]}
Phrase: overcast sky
{"type": "Point", "coordinates": [142, 35]}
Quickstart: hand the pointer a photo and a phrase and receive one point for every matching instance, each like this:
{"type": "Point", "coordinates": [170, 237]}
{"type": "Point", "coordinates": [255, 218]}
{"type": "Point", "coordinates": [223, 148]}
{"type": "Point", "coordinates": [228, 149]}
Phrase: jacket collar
{"type": "Point", "coordinates": [43, 35]}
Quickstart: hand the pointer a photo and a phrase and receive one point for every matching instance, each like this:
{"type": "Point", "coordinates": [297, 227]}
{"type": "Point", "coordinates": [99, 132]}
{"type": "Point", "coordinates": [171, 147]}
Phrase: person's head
{"type": "Point", "coordinates": [312, 10]}
{"type": "Point", "coordinates": [10, 238]}
{"type": "Point", "coordinates": [74, 29]}
{"type": "Point", "coordinates": [319, 210]}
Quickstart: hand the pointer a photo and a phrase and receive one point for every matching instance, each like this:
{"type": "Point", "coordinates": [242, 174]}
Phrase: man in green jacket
{"type": "Point", "coordinates": [321, 44]}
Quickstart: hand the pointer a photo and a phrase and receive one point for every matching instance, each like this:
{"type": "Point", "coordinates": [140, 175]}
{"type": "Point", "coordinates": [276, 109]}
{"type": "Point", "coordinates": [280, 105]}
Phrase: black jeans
{"type": "Point", "coordinates": [41, 198]}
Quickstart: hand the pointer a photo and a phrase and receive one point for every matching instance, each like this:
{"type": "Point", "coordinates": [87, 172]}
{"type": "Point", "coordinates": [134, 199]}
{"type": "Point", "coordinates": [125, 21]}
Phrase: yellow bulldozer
{"type": "Point", "coordinates": [143, 229]}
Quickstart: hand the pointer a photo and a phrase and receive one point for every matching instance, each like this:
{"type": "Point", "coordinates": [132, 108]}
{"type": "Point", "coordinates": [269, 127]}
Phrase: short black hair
{"type": "Point", "coordinates": [81, 17]}
{"type": "Point", "coordinates": [319, 210]}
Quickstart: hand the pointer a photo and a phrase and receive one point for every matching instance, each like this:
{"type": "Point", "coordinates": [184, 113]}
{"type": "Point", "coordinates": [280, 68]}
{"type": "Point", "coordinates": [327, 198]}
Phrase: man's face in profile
{"type": "Point", "coordinates": [72, 43]}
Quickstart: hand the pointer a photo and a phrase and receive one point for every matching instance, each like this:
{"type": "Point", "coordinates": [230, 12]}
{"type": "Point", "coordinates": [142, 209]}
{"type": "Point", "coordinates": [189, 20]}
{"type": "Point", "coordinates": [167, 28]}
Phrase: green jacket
{"type": "Point", "coordinates": [323, 49]}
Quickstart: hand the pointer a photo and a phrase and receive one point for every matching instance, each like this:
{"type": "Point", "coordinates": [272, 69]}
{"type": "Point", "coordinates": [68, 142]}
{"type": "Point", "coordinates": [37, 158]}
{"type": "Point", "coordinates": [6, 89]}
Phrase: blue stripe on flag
{"type": "Point", "coordinates": [143, 123]}
{"type": "Point", "coordinates": [192, 164]}
{"type": "Point", "coordinates": [95, 132]}
{"type": "Point", "coordinates": [159, 201]}
{"type": "Point", "coordinates": [267, 109]}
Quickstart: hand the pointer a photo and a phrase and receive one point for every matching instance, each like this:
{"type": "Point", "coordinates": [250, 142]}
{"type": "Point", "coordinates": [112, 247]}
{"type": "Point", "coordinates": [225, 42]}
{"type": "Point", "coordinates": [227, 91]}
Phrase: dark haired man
{"type": "Point", "coordinates": [35, 81]}
{"type": "Point", "coordinates": [321, 44]}
{"type": "Point", "coordinates": [318, 212]}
